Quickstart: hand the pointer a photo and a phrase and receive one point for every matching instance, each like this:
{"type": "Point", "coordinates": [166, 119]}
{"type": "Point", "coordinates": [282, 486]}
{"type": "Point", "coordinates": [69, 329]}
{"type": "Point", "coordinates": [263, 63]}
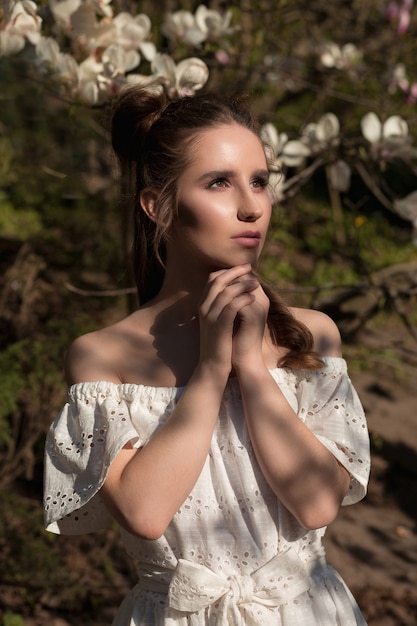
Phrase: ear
{"type": "Point", "coordinates": [149, 201]}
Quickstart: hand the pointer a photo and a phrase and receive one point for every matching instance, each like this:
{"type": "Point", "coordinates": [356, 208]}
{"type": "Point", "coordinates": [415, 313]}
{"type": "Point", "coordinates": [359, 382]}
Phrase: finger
{"type": "Point", "coordinates": [228, 299]}
{"type": "Point", "coordinates": [219, 280]}
{"type": "Point", "coordinates": [231, 272]}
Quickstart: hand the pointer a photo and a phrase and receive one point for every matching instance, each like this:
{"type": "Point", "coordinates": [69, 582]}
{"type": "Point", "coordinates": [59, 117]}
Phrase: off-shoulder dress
{"type": "Point", "coordinates": [232, 555]}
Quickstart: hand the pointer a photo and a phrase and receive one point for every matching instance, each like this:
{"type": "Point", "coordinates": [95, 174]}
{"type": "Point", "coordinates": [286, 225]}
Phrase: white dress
{"type": "Point", "coordinates": [232, 555]}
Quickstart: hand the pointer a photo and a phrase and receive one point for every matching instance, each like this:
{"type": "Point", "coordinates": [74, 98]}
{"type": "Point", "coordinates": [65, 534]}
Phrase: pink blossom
{"type": "Point", "coordinates": [400, 12]}
{"type": "Point", "coordinates": [412, 94]}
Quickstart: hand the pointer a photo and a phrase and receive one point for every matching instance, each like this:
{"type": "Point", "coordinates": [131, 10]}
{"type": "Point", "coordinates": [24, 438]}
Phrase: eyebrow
{"type": "Point", "coordinates": [229, 174]}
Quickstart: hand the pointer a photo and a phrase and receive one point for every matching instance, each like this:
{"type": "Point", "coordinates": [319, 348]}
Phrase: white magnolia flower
{"type": "Point", "coordinates": [323, 134]}
{"type": "Point", "coordinates": [387, 139]}
{"type": "Point", "coordinates": [47, 52]}
{"type": "Point", "coordinates": [212, 23]}
{"type": "Point", "coordinates": [89, 92]}
{"type": "Point", "coordinates": [374, 131]}
{"type": "Point", "coordinates": [340, 175]}
{"type": "Point", "coordinates": [116, 60]}
{"type": "Point", "coordinates": [183, 79]}
{"type": "Point", "coordinates": [341, 58]}
{"type": "Point", "coordinates": [407, 206]}
{"type": "Point", "coordinates": [66, 70]}
{"type": "Point", "coordinates": [10, 42]}
{"type": "Point", "coordinates": [88, 32]}
{"type": "Point", "coordinates": [19, 23]}
{"type": "Point", "coordinates": [280, 151]}
{"type": "Point", "coordinates": [64, 66]}
{"type": "Point", "coordinates": [273, 141]}
{"type": "Point", "coordinates": [94, 86]}
{"type": "Point", "coordinates": [152, 83]}
{"type": "Point", "coordinates": [103, 7]}
{"type": "Point", "coordinates": [407, 209]}
{"type": "Point", "coordinates": [181, 26]}
{"type": "Point", "coordinates": [294, 153]}
{"type": "Point", "coordinates": [131, 32]}
{"type": "Point", "coordinates": [397, 78]}
{"type": "Point", "coordinates": [62, 10]}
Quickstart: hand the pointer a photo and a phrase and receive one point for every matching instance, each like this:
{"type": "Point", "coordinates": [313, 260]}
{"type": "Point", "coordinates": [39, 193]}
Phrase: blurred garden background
{"type": "Point", "coordinates": [335, 87]}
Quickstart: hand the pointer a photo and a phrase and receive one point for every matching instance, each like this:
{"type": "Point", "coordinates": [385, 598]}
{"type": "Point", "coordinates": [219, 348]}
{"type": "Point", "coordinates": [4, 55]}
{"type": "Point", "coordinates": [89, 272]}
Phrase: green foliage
{"type": "Point", "coordinates": [13, 383]}
{"type": "Point", "coordinates": [30, 556]}
{"type": "Point", "coordinates": [15, 224]}
{"type": "Point", "coordinates": [11, 619]}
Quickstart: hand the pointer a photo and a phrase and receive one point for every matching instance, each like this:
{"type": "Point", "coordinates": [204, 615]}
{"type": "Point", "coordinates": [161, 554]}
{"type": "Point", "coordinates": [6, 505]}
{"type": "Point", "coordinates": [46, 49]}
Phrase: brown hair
{"type": "Point", "coordinates": [152, 138]}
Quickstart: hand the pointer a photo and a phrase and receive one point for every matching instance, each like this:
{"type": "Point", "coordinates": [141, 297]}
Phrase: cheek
{"type": "Point", "coordinates": [199, 216]}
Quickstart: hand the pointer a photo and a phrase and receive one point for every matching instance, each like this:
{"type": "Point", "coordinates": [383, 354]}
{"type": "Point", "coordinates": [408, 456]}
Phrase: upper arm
{"type": "Point", "coordinates": [326, 335]}
{"type": "Point", "coordinates": [90, 358]}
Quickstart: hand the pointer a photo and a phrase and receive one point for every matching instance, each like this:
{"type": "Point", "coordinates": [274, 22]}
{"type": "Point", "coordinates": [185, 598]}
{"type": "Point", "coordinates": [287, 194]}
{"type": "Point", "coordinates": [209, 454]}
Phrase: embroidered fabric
{"type": "Point", "coordinates": [231, 525]}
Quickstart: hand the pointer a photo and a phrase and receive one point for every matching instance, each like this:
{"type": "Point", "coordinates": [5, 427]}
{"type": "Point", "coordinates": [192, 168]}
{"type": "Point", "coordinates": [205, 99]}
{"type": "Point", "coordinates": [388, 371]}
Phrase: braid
{"type": "Point", "coordinates": [288, 332]}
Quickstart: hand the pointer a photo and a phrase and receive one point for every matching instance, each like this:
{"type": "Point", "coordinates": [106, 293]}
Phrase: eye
{"type": "Point", "coordinates": [260, 182]}
{"type": "Point", "coordinates": [217, 183]}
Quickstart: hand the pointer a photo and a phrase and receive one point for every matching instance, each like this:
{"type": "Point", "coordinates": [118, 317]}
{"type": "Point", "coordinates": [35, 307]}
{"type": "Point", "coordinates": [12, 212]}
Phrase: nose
{"type": "Point", "coordinates": [249, 209]}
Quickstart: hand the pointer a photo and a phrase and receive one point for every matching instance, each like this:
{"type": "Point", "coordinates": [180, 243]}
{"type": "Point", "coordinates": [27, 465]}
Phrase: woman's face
{"type": "Point", "coordinates": [224, 205]}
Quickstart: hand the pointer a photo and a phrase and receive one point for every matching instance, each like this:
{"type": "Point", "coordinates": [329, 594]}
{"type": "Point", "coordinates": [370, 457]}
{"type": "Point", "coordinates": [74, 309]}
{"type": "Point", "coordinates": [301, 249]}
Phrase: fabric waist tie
{"type": "Point", "coordinates": [191, 587]}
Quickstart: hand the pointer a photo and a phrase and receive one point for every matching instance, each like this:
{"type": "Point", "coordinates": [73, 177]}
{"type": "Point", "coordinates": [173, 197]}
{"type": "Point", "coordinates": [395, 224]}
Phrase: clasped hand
{"type": "Point", "coordinates": [233, 314]}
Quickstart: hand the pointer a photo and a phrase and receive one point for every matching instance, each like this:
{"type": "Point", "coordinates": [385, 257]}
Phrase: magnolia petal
{"type": "Point", "coordinates": [211, 22]}
{"type": "Point", "coordinates": [144, 23]}
{"type": "Point", "coordinates": [274, 140]}
{"type": "Point", "coordinates": [26, 24]}
{"type": "Point", "coordinates": [89, 69]}
{"type": "Point", "coordinates": [62, 10]}
{"type": "Point", "coordinates": [10, 43]}
{"type": "Point", "coordinates": [163, 65]}
{"type": "Point", "coordinates": [330, 55]}
{"type": "Point", "coordinates": [103, 7]}
{"type": "Point", "coordinates": [328, 127]}
{"type": "Point", "coordinates": [200, 15]}
{"type": "Point", "coordinates": [176, 24]}
{"type": "Point", "coordinates": [121, 60]}
{"type": "Point", "coordinates": [276, 186]}
{"type": "Point", "coordinates": [371, 127]}
{"type": "Point", "coordinates": [83, 21]}
{"type": "Point", "coordinates": [148, 50]}
{"type": "Point", "coordinates": [30, 7]}
{"type": "Point", "coordinates": [193, 37]}
{"type": "Point", "coordinates": [407, 207]}
{"type": "Point", "coordinates": [340, 174]}
{"type": "Point", "coordinates": [150, 83]}
{"type": "Point", "coordinates": [191, 75]}
{"type": "Point", "coordinates": [47, 51]}
{"type": "Point", "coordinates": [135, 27]}
{"type": "Point", "coordinates": [395, 126]}
{"type": "Point", "coordinates": [351, 53]}
{"type": "Point", "coordinates": [294, 153]}
{"type": "Point", "coordinates": [269, 136]}
{"type": "Point", "coordinates": [67, 70]}
{"type": "Point", "coordinates": [309, 133]}
{"type": "Point", "coordinates": [89, 92]}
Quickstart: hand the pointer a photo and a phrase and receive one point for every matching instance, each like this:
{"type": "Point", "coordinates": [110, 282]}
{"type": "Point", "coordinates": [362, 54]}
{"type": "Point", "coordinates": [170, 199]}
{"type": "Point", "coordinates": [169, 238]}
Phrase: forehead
{"type": "Point", "coordinates": [228, 143]}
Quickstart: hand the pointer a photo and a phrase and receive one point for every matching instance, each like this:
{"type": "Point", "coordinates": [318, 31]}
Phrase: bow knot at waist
{"type": "Point", "coordinates": [191, 587]}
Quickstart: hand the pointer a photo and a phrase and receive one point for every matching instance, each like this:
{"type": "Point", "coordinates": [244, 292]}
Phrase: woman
{"type": "Point", "coordinates": [218, 427]}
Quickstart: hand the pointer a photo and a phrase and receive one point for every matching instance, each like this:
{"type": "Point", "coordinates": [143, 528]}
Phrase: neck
{"type": "Point", "coordinates": [181, 292]}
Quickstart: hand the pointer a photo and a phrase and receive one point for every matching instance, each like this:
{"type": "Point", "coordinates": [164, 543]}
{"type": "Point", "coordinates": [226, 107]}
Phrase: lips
{"type": "Point", "coordinates": [248, 238]}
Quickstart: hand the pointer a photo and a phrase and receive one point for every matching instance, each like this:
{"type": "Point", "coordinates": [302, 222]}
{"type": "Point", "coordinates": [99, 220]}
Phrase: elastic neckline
{"type": "Point", "coordinates": [102, 385]}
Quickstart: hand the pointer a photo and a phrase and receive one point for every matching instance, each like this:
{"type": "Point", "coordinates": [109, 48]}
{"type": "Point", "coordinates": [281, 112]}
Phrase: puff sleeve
{"type": "Point", "coordinates": [330, 407]}
{"type": "Point", "coordinates": [96, 422]}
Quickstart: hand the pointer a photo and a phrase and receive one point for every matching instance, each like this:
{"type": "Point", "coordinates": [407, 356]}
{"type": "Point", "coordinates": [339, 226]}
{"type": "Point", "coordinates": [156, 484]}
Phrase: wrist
{"type": "Point", "coordinates": [254, 367]}
{"type": "Point", "coordinates": [211, 375]}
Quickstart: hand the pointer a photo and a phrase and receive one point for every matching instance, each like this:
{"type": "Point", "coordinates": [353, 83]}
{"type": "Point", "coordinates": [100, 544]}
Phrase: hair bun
{"type": "Point", "coordinates": [134, 112]}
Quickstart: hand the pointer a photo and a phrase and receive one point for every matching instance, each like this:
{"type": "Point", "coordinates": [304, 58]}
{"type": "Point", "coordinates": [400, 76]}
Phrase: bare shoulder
{"type": "Point", "coordinates": [327, 341]}
{"type": "Point", "coordinates": [101, 354]}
